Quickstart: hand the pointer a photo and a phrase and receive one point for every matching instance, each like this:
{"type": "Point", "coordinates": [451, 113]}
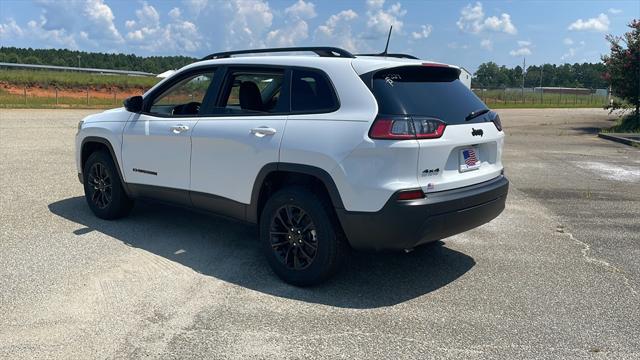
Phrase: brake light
{"type": "Point", "coordinates": [403, 128]}
{"type": "Point", "coordinates": [410, 195]}
{"type": "Point", "coordinates": [435, 65]}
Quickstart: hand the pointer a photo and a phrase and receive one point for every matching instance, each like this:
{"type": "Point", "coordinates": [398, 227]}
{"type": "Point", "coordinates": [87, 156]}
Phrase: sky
{"type": "Point", "coordinates": [464, 33]}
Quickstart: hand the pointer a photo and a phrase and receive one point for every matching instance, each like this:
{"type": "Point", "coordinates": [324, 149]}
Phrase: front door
{"type": "Point", "coordinates": [156, 147]}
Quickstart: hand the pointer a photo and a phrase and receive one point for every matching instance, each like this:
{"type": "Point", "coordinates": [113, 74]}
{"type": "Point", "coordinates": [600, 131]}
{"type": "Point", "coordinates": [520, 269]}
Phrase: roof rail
{"type": "Point", "coordinates": [400, 56]}
{"type": "Point", "coordinates": [323, 51]}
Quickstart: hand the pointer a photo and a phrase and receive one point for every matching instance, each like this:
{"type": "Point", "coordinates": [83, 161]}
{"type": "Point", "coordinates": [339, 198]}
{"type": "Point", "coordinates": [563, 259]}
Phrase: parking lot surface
{"type": "Point", "coordinates": [556, 276]}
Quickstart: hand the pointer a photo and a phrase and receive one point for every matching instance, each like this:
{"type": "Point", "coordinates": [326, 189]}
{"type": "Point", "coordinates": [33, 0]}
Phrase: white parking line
{"type": "Point", "coordinates": [610, 171]}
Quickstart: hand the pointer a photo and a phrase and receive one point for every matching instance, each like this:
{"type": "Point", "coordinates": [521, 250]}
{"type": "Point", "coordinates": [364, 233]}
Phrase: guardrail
{"type": "Point", "coordinates": [70, 68]}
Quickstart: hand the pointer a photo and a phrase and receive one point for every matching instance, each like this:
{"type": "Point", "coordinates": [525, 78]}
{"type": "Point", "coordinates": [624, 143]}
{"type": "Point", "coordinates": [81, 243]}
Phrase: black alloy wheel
{"type": "Point", "coordinates": [100, 186]}
{"type": "Point", "coordinates": [103, 188]}
{"type": "Point", "coordinates": [293, 237]}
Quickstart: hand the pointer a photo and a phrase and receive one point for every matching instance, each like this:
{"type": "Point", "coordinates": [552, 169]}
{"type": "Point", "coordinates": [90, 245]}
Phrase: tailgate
{"type": "Point", "coordinates": [442, 164]}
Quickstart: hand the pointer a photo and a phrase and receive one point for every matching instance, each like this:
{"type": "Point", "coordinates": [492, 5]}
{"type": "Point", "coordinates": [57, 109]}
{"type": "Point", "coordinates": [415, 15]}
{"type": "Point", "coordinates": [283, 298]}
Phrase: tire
{"type": "Point", "coordinates": [311, 248]}
{"type": "Point", "coordinates": [103, 188]}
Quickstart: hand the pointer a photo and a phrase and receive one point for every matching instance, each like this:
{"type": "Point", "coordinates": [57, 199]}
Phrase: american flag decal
{"type": "Point", "coordinates": [470, 157]}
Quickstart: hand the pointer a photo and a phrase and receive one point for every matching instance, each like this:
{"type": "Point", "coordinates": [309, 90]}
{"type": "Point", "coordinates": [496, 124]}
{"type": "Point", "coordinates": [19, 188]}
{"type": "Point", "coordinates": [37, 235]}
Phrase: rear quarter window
{"type": "Point", "coordinates": [312, 92]}
{"type": "Point", "coordinates": [425, 91]}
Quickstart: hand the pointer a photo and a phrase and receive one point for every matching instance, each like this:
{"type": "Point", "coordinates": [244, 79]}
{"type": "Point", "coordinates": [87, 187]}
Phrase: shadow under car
{"type": "Point", "coordinates": [228, 250]}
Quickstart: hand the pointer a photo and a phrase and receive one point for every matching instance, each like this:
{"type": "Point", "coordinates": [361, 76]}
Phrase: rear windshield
{"type": "Point", "coordinates": [426, 91]}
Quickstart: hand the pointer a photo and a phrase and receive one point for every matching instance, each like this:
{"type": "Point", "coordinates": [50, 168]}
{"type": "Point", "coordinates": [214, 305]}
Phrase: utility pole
{"type": "Point", "coordinates": [78, 60]}
{"type": "Point", "coordinates": [541, 91]}
{"type": "Point", "coordinates": [523, 73]}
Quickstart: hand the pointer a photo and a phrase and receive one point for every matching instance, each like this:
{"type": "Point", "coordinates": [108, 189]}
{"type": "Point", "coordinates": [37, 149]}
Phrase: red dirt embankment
{"type": "Point", "coordinates": [78, 93]}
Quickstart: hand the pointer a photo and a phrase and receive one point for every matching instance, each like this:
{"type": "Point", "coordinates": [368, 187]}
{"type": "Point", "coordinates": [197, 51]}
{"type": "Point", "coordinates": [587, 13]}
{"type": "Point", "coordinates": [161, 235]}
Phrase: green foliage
{"type": "Point", "coordinates": [627, 124]}
{"type": "Point", "coordinates": [63, 57]}
{"type": "Point", "coordinates": [623, 68]}
{"type": "Point", "coordinates": [70, 79]}
{"type": "Point", "coordinates": [490, 75]}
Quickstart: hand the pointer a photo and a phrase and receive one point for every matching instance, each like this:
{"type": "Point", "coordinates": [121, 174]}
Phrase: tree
{"type": "Point", "coordinates": [623, 67]}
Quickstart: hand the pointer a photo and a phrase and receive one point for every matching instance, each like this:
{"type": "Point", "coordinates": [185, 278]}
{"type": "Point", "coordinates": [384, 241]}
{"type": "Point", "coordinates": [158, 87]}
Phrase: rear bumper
{"type": "Point", "coordinates": [407, 224]}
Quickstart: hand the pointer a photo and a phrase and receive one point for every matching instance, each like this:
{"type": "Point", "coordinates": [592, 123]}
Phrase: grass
{"type": "Point", "coordinates": [69, 79]}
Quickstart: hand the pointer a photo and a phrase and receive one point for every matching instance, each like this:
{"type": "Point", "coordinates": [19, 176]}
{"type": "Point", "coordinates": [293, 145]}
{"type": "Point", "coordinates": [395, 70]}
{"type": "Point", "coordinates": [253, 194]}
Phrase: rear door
{"type": "Point", "coordinates": [469, 149]}
{"type": "Point", "coordinates": [242, 135]}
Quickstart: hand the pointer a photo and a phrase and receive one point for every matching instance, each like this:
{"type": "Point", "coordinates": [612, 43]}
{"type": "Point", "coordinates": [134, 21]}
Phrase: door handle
{"type": "Point", "coordinates": [262, 131]}
{"type": "Point", "coordinates": [177, 129]}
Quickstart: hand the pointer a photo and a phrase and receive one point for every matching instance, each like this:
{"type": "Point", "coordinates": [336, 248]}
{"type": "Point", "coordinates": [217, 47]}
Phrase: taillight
{"type": "Point", "coordinates": [428, 128]}
{"type": "Point", "coordinates": [392, 129]}
{"type": "Point", "coordinates": [402, 128]}
{"type": "Point", "coordinates": [496, 121]}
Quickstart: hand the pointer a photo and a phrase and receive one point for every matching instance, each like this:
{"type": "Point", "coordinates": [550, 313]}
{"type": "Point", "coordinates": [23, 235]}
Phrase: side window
{"type": "Point", "coordinates": [184, 97]}
{"type": "Point", "coordinates": [312, 92]}
{"type": "Point", "coordinates": [251, 91]}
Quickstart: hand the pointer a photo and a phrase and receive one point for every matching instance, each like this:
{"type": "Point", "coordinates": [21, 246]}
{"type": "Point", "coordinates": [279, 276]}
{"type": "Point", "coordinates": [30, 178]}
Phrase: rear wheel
{"type": "Point", "coordinates": [103, 187]}
{"type": "Point", "coordinates": [300, 237]}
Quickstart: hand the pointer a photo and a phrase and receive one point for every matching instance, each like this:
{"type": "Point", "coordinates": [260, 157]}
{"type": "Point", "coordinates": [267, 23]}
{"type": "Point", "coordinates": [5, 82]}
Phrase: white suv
{"type": "Point", "coordinates": [324, 153]}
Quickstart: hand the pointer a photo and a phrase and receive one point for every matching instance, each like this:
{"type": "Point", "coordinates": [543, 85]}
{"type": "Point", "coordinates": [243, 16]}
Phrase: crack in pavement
{"type": "Point", "coordinates": [586, 249]}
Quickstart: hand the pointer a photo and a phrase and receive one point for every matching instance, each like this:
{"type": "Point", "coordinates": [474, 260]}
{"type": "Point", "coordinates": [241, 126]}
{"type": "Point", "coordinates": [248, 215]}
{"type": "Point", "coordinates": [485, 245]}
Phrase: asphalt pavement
{"type": "Point", "coordinates": [556, 276]}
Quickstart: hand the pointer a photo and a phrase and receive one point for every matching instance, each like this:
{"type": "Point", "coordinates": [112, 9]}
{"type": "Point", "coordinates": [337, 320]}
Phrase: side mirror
{"type": "Point", "coordinates": [133, 104]}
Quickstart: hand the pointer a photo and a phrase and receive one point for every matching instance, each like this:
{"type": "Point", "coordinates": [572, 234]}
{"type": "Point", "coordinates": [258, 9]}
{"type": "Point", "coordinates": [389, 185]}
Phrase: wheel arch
{"type": "Point", "coordinates": [275, 175]}
{"type": "Point", "coordinates": [91, 144]}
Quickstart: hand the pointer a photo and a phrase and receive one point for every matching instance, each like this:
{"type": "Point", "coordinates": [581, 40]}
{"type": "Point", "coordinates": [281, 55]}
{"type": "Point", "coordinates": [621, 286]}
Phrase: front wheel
{"type": "Point", "coordinates": [300, 237]}
{"type": "Point", "coordinates": [103, 188]}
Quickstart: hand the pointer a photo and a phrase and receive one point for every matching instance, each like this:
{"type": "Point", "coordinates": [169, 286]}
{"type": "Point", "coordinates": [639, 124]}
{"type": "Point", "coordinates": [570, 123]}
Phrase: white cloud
{"type": "Point", "coordinates": [57, 37]}
{"type": "Point", "coordinates": [568, 41]}
{"type": "Point", "coordinates": [472, 19]}
{"type": "Point", "coordinates": [337, 29]}
{"type": "Point", "coordinates": [175, 13]}
{"type": "Point", "coordinates": [301, 9]}
{"type": "Point", "coordinates": [380, 20]}
{"type": "Point", "coordinates": [250, 22]}
{"type": "Point", "coordinates": [375, 3]}
{"type": "Point", "coordinates": [600, 23]}
{"type": "Point", "coordinates": [455, 45]}
{"type": "Point", "coordinates": [569, 54]}
{"type": "Point", "coordinates": [524, 48]}
{"type": "Point", "coordinates": [101, 19]}
{"type": "Point", "coordinates": [573, 49]}
{"type": "Point", "coordinates": [149, 33]}
{"type": "Point", "coordinates": [520, 52]}
{"type": "Point", "coordinates": [296, 28]}
{"type": "Point", "coordinates": [486, 44]}
{"type": "Point", "coordinates": [614, 11]}
{"type": "Point", "coordinates": [93, 18]}
{"type": "Point", "coordinates": [196, 6]}
{"type": "Point", "coordinates": [148, 16]}
{"type": "Point", "coordinates": [425, 31]}
{"type": "Point", "coordinates": [502, 24]}
{"type": "Point", "coordinates": [288, 36]}
{"type": "Point", "coordinates": [10, 29]}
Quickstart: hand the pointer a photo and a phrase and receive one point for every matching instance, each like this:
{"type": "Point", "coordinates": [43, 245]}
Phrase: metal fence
{"type": "Point", "coordinates": [51, 97]}
{"type": "Point", "coordinates": [543, 96]}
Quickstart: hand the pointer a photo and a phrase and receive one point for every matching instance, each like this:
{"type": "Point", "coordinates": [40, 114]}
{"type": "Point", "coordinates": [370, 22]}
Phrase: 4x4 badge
{"type": "Point", "coordinates": [477, 132]}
